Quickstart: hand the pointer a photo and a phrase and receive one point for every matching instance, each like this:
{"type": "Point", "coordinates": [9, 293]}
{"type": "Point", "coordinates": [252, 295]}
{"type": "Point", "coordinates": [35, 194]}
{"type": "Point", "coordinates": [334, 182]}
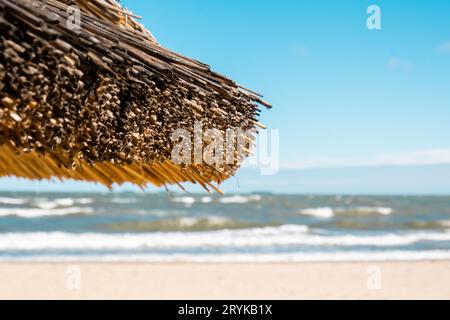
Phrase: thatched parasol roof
{"type": "Point", "coordinates": [99, 103]}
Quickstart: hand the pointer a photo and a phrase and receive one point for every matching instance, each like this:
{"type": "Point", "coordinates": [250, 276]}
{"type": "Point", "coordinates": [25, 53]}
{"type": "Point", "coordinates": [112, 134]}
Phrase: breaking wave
{"type": "Point", "coordinates": [328, 212]}
{"type": "Point", "coordinates": [12, 201]}
{"type": "Point", "coordinates": [288, 235]}
{"type": "Point", "coordinates": [318, 212]}
{"type": "Point", "coordinates": [188, 201]}
{"type": "Point", "coordinates": [385, 211]}
{"type": "Point", "coordinates": [37, 213]}
{"type": "Point", "coordinates": [238, 199]}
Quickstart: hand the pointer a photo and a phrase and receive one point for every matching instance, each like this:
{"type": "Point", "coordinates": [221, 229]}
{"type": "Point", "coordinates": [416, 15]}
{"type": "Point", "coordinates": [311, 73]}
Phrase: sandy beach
{"type": "Point", "coordinates": [387, 280]}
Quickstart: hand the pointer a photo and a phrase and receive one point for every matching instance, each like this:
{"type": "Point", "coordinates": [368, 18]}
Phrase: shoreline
{"type": "Point", "coordinates": [214, 263]}
{"type": "Point", "coordinates": [237, 281]}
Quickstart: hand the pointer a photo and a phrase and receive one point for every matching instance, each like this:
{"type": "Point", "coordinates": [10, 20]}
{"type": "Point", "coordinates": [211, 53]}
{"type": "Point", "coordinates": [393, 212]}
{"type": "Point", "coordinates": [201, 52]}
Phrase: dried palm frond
{"type": "Point", "coordinates": [100, 102]}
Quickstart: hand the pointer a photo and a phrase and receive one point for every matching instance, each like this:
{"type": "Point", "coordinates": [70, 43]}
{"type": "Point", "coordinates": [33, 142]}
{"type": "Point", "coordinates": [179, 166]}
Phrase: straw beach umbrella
{"type": "Point", "coordinates": [87, 93]}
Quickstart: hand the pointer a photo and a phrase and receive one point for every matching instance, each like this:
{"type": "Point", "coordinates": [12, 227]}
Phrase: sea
{"type": "Point", "coordinates": [259, 227]}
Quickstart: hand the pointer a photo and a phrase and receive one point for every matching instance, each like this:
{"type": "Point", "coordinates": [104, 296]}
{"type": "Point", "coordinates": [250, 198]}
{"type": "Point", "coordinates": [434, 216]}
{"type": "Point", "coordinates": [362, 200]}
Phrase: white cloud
{"type": "Point", "coordinates": [407, 158]}
{"type": "Point", "coordinates": [398, 64]}
{"type": "Point", "coordinates": [444, 47]}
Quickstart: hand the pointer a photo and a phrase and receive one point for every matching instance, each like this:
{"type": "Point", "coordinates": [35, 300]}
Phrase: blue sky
{"type": "Point", "coordinates": [343, 95]}
{"type": "Point", "coordinates": [340, 91]}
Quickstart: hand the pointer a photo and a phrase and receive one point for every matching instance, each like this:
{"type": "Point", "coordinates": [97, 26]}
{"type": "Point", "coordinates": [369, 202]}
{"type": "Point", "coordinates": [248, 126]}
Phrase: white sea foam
{"type": "Point", "coordinates": [206, 200]}
{"type": "Point", "coordinates": [251, 238]}
{"type": "Point", "coordinates": [379, 210]}
{"type": "Point", "coordinates": [366, 256]}
{"type": "Point", "coordinates": [46, 205]}
{"type": "Point", "coordinates": [37, 213]}
{"type": "Point", "coordinates": [83, 200]}
{"type": "Point", "coordinates": [12, 201]}
{"type": "Point", "coordinates": [188, 201]}
{"type": "Point", "coordinates": [52, 204]}
{"type": "Point", "coordinates": [238, 199]}
{"type": "Point", "coordinates": [325, 212]}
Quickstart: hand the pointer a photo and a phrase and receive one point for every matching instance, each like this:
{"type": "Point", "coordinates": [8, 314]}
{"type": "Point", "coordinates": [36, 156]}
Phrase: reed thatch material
{"type": "Point", "coordinates": [100, 103]}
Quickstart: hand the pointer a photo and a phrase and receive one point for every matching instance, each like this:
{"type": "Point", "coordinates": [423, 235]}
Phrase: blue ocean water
{"type": "Point", "coordinates": [251, 227]}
